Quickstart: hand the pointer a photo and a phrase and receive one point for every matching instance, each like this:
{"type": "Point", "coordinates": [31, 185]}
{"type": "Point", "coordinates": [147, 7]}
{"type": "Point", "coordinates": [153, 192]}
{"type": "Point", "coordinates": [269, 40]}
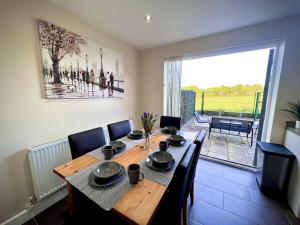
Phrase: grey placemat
{"type": "Point", "coordinates": [105, 197]}
{"type": "Point", "coordinates": [98, 154]}
{"type": "Point", "coordinates": [164, 177]}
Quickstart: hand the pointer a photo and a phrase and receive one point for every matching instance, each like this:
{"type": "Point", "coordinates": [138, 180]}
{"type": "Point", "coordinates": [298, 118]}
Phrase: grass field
{"type": "Point", "coordinates": [239, 104]}
{"type": "Point", "coordinates": [236, 99]}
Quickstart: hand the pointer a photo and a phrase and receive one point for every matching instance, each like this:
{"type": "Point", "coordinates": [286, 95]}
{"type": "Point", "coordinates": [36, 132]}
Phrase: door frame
{"type": "Point", "coordinates": [278, 46]}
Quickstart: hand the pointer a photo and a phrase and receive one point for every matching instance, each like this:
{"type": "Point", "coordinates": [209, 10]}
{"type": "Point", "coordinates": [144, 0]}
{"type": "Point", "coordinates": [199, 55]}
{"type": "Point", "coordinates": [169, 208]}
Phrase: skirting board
{"type": "Point", "coordinates": [28, 214]}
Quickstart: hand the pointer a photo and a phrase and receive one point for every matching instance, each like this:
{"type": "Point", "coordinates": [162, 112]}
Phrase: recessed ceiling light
{"type": "Point", "coordinates": [148, 18]}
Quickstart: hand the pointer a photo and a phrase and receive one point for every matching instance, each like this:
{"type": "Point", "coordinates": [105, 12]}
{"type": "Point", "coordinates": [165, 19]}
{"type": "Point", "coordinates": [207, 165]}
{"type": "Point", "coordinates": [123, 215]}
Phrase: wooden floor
{"type": "Point", "coordinates": [223, 196]}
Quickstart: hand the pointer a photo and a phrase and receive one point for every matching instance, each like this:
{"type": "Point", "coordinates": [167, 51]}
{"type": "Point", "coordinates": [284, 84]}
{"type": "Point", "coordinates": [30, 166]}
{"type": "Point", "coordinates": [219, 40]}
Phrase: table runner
{"type": "Point", "coordinates": [165, 177]}
{"type": "Point", "coordinates": [105, 197]}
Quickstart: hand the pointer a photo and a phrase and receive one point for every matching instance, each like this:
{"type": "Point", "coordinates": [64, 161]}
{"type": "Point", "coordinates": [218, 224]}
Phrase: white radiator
{"type": "Point", "coordinates": [43, 159]}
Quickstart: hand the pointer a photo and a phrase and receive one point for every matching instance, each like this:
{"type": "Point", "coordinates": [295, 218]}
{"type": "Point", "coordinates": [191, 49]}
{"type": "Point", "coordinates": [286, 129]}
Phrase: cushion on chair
{"type": "Point", "coordinates": [170, 121]}
{"type": "Point", "coordinates": [118, 130]}
{"type": "Point", "coordinates": [86, 141]}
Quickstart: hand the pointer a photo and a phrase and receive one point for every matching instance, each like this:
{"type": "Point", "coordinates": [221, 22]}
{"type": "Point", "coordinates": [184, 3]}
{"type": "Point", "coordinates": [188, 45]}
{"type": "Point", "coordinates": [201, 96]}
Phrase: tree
{"type": "Point", "coordinates": [59, 42]}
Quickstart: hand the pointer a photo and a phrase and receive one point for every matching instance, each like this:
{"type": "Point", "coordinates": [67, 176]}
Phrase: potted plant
{"type": "Point", "coordinates": [294, 111]}
{"type": "Point", "coordinates": [148, 121]}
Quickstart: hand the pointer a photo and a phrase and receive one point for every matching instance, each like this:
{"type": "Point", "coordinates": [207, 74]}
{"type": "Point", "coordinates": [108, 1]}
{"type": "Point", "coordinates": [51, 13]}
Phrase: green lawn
{"type": "Point", "coordinates": [239, 104]}
{"type": "Point", "coordinates": [236, 99]}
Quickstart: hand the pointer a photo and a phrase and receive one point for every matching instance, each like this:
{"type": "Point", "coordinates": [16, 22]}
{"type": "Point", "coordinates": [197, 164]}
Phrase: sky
{"type": "Point", "coordinates": [238, 68]}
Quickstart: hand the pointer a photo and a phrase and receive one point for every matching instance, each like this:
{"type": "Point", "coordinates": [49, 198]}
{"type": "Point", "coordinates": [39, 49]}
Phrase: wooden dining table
{"type": "Point", "coordinates": [139, 204]}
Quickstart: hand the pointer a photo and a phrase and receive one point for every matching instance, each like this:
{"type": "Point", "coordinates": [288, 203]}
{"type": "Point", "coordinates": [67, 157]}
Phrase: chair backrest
{"type": "Point", "coordinates": [86, 141]}
{"type": "Point", "coordinates": [118, 130]}
{"type": "Point", "coordinates": [198, 141]}
{"type": "Point", "coordinates": [170, 121]}
{"type": "Point", "coordinates": [170, 208]}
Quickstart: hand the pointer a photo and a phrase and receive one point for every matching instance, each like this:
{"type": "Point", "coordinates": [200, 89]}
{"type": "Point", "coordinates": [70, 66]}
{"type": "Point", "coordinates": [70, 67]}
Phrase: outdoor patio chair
{"type": "Point", "coordinates": [198, 118]}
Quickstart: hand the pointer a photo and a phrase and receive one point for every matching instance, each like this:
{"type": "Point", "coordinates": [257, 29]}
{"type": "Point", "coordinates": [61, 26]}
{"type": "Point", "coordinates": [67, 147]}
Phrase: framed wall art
{"type": "Point", "coordinates": [74, 67]}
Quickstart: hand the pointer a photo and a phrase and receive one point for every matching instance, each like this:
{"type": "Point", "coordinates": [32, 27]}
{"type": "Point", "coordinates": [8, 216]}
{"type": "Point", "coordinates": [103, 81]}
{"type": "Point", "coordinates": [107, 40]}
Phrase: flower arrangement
{"type": "Point", "coordinates": [148, 121]}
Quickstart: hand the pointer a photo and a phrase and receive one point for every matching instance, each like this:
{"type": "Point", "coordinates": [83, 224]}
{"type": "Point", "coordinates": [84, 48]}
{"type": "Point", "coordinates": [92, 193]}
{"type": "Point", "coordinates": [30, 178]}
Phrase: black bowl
{"type": "Point", "coordinates": [137, 133]}
{"type": "Point", "coordinates": [168, 129]}
{"type": "Point", "coordinates": [176, 138]}
{"type": "Point", "coordinates": [161, 159]}
{"type": "Point", "coordinates": [106, 171]}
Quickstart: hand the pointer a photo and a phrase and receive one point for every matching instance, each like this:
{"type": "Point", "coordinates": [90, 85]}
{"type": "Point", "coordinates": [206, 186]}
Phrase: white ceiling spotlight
{"type": "Point", "coordinates": [148, 18]}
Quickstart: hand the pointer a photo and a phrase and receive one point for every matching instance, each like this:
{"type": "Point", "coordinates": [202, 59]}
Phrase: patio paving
{"type": "Point", "coordinates": [225, 147]}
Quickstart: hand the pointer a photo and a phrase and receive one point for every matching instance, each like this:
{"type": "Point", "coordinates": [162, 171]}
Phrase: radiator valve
{"type": "Point", "coordinates": [31, 202]}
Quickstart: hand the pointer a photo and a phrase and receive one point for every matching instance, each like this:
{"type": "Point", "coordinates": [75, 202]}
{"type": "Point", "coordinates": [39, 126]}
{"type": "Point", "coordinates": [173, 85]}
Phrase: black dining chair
{"type": "Point", "coordinates": [191, 176]}
{"type": "Point", "coordinates": [170, 121]}
{"type": "Point", "coordinates": [119, 129]}
{"type": "Point", "coordinates": [86, 141]}
{"type": "Point", "coordinates": [170, 208]}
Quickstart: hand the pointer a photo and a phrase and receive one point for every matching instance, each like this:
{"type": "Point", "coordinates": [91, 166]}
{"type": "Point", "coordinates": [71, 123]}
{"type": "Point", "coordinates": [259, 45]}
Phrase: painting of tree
{"type": "Point", "coordinates": [75, 67]}
{"type": "Point", "coordinates": [58, 42]}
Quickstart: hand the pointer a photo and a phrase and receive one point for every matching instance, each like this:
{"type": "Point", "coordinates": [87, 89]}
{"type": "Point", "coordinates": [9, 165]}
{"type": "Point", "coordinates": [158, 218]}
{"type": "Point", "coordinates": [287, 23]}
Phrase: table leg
{"type": "Point", "coordinates": [71, 200]}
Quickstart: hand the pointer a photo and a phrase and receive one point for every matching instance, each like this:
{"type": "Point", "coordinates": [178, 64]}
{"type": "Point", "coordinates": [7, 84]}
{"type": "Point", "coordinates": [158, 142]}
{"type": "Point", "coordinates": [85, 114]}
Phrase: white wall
{"type": "Point", "coordinates": [28, 119]}
{"type": "Point", "coordinates": [288, 29]}
{"type": "Point", "coordinates": [292, 142]}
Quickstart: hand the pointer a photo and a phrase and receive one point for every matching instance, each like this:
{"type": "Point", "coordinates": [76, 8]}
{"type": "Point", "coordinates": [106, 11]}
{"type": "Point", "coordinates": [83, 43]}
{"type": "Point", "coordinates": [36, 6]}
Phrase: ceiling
{"type": "Point", "coordinates": [174, 20]}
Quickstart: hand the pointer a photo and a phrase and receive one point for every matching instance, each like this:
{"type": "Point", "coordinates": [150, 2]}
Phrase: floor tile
{"type": "Point", "coordinates": [207, 214]}
{"type": "Point", "coordinates": [294, 221]}
{"type": "Point", "coordinates": [225, 186]}
{"type": "Point", "coordinates": [216, 201]}
{"type": "Point", "coordinates": [238, 171]}
{"type": "Point", "coordinates": [212, 170]}
{"type": "Point", "coordinates": [193, 222]}
{"type": "Point", "coordinates": [253, 212]}
{"type": "Point", "coordinates": [246, 180]}
{"type": "Point", "coordinates": [190, 208]}
{"type": "Point", "coordinates": [209, 195]}
{"type": "Point", "coordinates": [211, 163]}
{"type": "Point", "coordinates": [259, 198]}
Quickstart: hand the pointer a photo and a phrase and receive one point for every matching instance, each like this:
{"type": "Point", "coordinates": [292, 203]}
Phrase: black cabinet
{"type": "Point", "coordinates": [274, 163]}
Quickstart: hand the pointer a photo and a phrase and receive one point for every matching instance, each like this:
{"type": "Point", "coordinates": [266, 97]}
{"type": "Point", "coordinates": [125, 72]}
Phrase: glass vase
{"type": "Point", "coordinates": [147, 143]}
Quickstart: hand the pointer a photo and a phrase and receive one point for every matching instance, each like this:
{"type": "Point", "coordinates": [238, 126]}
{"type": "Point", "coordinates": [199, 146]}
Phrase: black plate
{"type": "Point", "coordinates": [92, 181]}
{"type": "Point", "coordinates": [107, 170]}
{"type": "Point", "coordinates": [176, 144]}
{"type": "Point", "coordinates": [137, 133]}
{"type": "Point", "coordinates": [130, 136]}
{"type": "Point", "coordinates": [161, 158]}
{"type": "Point", "coordinates": [176, 138]}
{"type": "Point", "coordinates": [119, 145]}
{"type": "Point", "coordinates": [149, 163]}
{"type": "Point", "coordinates": [168, 129]}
